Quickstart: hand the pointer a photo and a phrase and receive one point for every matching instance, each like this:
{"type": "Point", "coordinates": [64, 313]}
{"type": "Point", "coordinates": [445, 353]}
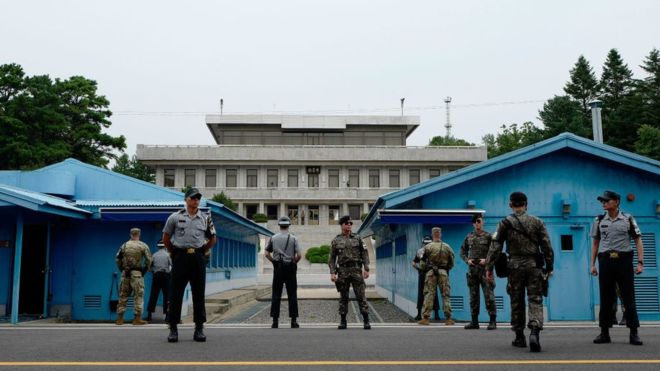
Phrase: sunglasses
{"type": "Point", "coordinates": [349, 223]}
{"type": "Point", "coordinates": [479, 221]}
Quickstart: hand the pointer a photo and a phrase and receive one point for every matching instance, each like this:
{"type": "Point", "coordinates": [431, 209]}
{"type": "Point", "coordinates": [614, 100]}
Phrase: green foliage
{"type": "Point", "coordinates": [225, 200]}
{"type": "Point", "coordinates": [449, 141]}
{"type": "Point", "coordinates": [512, 138]}
{"type": "Point", "coordinates": [186, 189]}
{"type": "Point", "coordinates": [650, 89]}
{"type": "Point", "coordinates": [562, 114]}
{"type": "Point", "coordinates": [320, 254]}
{"type": "Point", "coordinates": [43, 121]}
{"type": "Point", "coordinates": [583, 86]}
{"type": "Point", "coordinates": [134, 168]}
{"type": "Point", "coordinates": [259, 218]}
{"type": "Point", "coordinates": [363, 216]}
{"type": "Point", "coordinates": [648, 143]}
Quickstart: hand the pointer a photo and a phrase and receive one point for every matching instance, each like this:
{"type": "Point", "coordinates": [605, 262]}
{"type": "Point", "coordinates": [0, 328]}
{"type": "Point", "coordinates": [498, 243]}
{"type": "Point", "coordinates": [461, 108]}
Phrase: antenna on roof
{"type": "Point", "coordinates": [402, 100]}
{"type": "Point", "coordinates": [222, 103]}
{"type": "Point", "coordinates": [448, 124]}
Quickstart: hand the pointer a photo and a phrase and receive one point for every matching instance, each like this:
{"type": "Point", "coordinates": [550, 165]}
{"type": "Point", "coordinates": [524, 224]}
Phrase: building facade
{"type": "Point", "coordinates": [562, 177]}
{"type": "Point", "coordinates": [312, 168]}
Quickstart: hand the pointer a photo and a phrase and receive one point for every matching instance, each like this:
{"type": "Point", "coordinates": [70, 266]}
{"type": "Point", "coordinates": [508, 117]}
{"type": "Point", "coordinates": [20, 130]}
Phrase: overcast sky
{"type": "Point", "coordinates": [163, 64]}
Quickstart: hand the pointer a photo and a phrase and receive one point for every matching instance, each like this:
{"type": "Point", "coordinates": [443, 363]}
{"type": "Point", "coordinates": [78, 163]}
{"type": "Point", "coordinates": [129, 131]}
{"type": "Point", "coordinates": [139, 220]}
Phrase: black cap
{"type": "Point", "coordinates": [609, 195]}
{"type": "Point", "coordinates": [345, 219]}
{"type": "Point", "coordinates": [518, 198]}
{"type": "Point", "coordinates": [193, 193]}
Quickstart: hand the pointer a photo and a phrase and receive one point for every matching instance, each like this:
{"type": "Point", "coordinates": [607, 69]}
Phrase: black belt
{"type": "Point", "coordinates": [188, 250]}
{"type": "Point", "coordinates": [351, 265]}
{"type": "Point", "coordinates": [613, 254]}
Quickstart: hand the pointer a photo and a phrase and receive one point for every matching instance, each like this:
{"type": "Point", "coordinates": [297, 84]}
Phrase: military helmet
{"type": "Point", "coordinates": [427, 239]}
{"type": "Point", "coordinates": [518, 198]}
{"type": "Point", "coordinates": [284, 221]}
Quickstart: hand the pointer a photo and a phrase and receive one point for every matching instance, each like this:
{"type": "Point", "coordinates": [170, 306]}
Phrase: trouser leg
{"type": "Point", "coordinates": [276, 295]}
{"type": "Point", "coordinates": [430, 285]}
{"type": "Point", "coordinates": [292, 291]}
{"type": "Point", "coordinates": [607, 288]}
{"type": "Point", "coordinates": [516, 288]}
{"type": "Point", "coordinates": [626, 282]}
{"type": "Point", "coordinates": [198, 287]}
{"type": "Point", "coordinates": [534, 297]}
{"type": "Point", "coordinates": [178, 285]}
{"type": "Point", "coordinates": [359, 288]}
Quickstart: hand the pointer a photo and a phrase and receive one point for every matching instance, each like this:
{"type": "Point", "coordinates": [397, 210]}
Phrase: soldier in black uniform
{"type": "Point", "coordinates": [188, 234]}
{"type": "Point", "coordinates": [349, 265]}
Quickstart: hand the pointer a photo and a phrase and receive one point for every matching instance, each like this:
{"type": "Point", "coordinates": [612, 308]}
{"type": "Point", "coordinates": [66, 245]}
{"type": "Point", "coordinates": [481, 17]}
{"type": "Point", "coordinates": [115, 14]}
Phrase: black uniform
{"type": "Point", "coordinates": [285, 247]}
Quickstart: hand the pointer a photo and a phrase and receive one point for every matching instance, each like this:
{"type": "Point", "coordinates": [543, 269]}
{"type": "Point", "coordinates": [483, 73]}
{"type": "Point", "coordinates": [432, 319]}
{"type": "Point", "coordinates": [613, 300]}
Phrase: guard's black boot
{"type": "Point", "coordinates": [173, 337]}
{"type": "Point", "coordinates": [519, 341]}
{"type": "Point", "coordinates": [634, 337]}
{"type": "Point", "coordinates": [603, 337]}
{"type": "Point", "coordinates": [473, 325]}
{"type": "Point", "coordinates": [367, 325]}
{"type": "Point", "coordinates": [419, 315]}
{"type": "Point", "coordinates": [436, 315]}
{"type": "Point", "coordinates": [342, 322]}
{"type": "Point", "coordinates": [294, 323]}
{"type": "Point", "coordinates": [492, 325]}
{"type": "Point", "coordinates": [199, 333]}
{"type": "Point", "coordinates": [534, 340]}
{"type": "Point", "coordinates": [276, 323]}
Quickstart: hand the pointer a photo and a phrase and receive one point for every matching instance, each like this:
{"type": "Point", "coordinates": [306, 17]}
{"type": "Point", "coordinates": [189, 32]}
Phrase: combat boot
{"type": "Point", "coordinates": [137, 320]}
{"type": "Point", "coordinates": [342, 323]}
{"type": "Point", "coordinates": [534, 340]}
{"type": "Point", "coordinates": [199, 333]}
{"type": "Point", "coordinates": [448, 320]}
{"type": "Point", "coordinates": [472, 325]}
{"type": "Point", "coordinates": [492, 325]}
{"type": "Point", "coordinates": [276, 323]}
{"type": "Point", "coordinates": [419, 315]}
{"type": "Point", "coordinates": [173, 337]}
{"type": "Point", "coordinates": [367, 325]}
{"type": "Point", "coordinates": [120, 319]}
{"type": "Point", "coordinates": [603, 337]}
{"type": "Point", "coordinates": [294, 323]}
{"type": "Point", "coordinates": [519, 341]}
{"type": "Point", "coordinates": [634, 337]}
{"type": "Point", "coordinates": [424, 321]}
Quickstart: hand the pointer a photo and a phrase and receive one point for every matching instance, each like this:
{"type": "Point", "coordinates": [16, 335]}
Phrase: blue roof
{"type": "Point", "coordinates": [40, 202]}
{"type": "Point", "coordinates": [561, 141]}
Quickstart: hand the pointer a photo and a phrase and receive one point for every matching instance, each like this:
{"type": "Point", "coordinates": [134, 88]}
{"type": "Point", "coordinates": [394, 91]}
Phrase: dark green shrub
{"type": "Point", "coordinates": [259, 218]}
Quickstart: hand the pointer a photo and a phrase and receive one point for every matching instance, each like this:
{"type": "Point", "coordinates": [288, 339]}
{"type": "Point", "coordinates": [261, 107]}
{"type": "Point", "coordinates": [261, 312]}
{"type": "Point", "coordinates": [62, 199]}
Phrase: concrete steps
{"type": "Point", "coordinates": [218, 304]}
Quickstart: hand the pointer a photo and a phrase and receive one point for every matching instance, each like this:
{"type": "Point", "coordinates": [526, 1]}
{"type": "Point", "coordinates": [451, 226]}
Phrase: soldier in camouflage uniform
{"type": "Point", "coordinates": [529, 249]}
{"type": "Point", "coordinates": [349, 265]}
{"type": "Point", "coordinates": [473, 252]}
{"type": "Point", "coordinates": [420, 266]}
{"type": "Point", "coordinates": [440, 260]}
{"type": "Point", "coordinates": [130, 263]}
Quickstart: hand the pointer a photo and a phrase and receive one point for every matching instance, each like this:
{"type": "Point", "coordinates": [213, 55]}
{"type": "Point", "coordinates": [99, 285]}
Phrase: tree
{"type": "Point", "coordinates": [449, 141]}
{"type": "Point", "coordinates": [225, 200]}
{"type": "Point", "coordinates": [650, 89]}
{"type": "Point", "coordinates": [134, 168]}
{"type": "Point", "coordinates": [512, 138]}
{"type": "Point", "coordinates": [563, 114]}
{"type": "Point", "coordinates": [43, 121]}
{"type": "Point", "coordinates": [582, 86]}
{"type": "Point", "coordinates": [648, 143]}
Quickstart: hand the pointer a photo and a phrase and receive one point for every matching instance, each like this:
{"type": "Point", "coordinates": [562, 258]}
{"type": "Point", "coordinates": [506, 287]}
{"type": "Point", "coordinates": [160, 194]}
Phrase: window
{"type": "Point", "coordinates": [566, 242]}
{"type": "Point", "coordinates": [189, 177]}
{"type": "Point", "coordinates": [413, 176]}
{"type": "Point", "coordinates": [354, 211]}
{"type": "Point", "coordinates": [272, 178]}
{"type": "Point", "coordinates": [292, 213]}
{"type": "Point", "coordinates": [394, 178]}
{"type": "Point", "coordinates": [333, 214]}
{"type": "Point", "coordinates": [250, 210]}
{"type": "Point", "coordinates": [273, 212]}
{"type": "Point", "coordinates": [313, 217]}
{"type": "Point", "coordinates": [333, 178]}
{"type": "Point", "coordinates": [251, 178]}
{"type": "Point", "coordinates": [210, 178]}
{"type": "Point", "coordinates": [292, 178]}
{"type": "Point", "coordinates": [168, 178]}
{"type": "Point", "coordinates": [374, 178]}
{"type": "Point", "coordinates": [434, 173]}
{"type": "Point", "coordinates": [353, 178]}
{"type": "Point", "coordinates": [231, 181]}
{"type": "Point", "coordinates": [312, 180]}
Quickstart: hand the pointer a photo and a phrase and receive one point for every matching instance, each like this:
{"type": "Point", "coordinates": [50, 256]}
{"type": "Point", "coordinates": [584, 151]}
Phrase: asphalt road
{"type": "Point", "coordinates": [319, 347]}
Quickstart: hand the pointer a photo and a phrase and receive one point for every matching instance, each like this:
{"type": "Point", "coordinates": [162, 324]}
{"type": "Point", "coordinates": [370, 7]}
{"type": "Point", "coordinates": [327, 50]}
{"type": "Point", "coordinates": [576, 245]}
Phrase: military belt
{"type": "Point", "coordinates": [351, 265]}
{"type": "Point", "coordinates": [188, 250]}
{"type": "Point", "coordinates": [613, 254]}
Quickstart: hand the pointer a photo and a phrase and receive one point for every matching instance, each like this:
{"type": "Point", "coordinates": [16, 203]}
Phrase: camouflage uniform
{"type": "Point", "coordinates": [347, 257]}
{"type": "Point", "coordinates": [129, 262]}
{"type": "Point", "coordinates": [475, 247]}
{"type": "Point", "coordinates": [525, 272]}
{"type": "Point", "coordinates": [440, 258]}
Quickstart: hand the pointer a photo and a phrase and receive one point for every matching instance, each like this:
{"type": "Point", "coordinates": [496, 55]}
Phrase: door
{"type": "Point", "coordinates": [33, 265]}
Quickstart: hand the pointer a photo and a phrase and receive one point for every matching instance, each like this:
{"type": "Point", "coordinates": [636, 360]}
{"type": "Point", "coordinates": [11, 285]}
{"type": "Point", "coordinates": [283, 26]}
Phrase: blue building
{"type": "Point", "coordinates": [562, 177]}
{"type": "Point", "coordinates": [60, 227]}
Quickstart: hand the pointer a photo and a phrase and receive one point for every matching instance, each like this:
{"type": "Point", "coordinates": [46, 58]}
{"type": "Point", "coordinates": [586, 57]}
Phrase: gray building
{"type": "Point", "coordinates": [312, 168]}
